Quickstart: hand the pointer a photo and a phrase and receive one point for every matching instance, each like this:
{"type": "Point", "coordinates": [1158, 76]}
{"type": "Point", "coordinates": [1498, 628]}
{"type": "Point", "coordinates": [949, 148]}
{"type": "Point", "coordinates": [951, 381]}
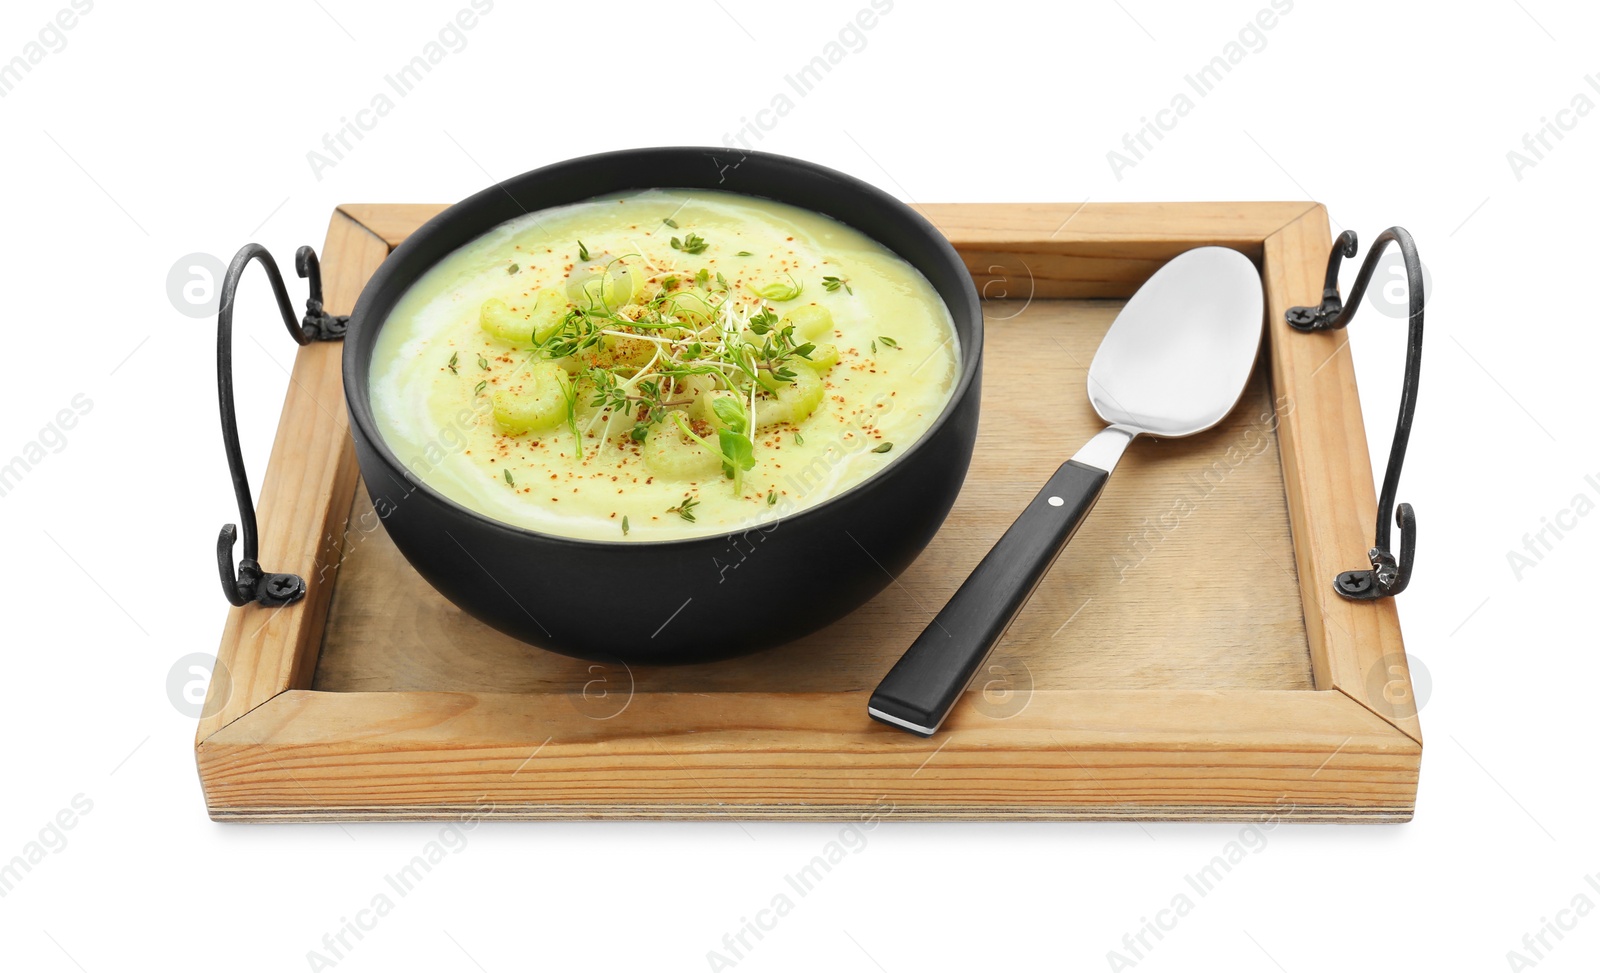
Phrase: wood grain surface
{"type": "Point", "coordinates": [305, 495]}
{"type": "Point", "coordinates": [1356, 647]}
{"type": "Point", "coordinates": [1240, 755]}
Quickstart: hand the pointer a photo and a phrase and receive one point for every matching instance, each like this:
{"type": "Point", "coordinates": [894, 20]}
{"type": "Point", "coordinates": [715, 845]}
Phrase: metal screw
{"type": "Point", "coordinates": [282, 586]}
{"type": "Point", "coordinates": [1355, 582]}
{"type": "Point", "coordinates": [1301, 316]}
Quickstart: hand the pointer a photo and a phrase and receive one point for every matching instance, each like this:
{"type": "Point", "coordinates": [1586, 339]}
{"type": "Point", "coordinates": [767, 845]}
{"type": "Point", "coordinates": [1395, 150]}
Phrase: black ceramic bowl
{"type": "Point", "coordinates": [681, 600]}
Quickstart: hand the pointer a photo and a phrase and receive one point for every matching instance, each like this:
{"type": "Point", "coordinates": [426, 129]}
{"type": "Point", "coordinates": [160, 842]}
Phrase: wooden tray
{"type": "Point", "coordinates": [1187, 658]}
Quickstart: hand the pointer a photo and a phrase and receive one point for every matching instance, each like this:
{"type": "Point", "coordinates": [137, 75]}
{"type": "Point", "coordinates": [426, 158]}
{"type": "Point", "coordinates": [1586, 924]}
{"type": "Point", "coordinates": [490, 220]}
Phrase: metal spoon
{"type": "Point", "coordinates": [1173, 364]}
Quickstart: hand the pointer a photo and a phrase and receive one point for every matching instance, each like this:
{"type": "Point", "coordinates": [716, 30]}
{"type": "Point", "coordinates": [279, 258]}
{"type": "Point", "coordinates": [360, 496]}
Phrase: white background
{"type": "Point", "coordinates": [161, 131]}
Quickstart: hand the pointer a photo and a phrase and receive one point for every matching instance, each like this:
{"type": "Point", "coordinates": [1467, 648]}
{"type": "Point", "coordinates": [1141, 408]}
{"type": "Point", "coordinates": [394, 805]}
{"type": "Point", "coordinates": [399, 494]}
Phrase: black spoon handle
{"type": "Point", "coordinates": [918, 692]}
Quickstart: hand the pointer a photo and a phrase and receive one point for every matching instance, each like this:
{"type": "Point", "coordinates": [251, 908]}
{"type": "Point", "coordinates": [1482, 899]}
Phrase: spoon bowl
{"type": "Point", "coordinates": [1179, 354]}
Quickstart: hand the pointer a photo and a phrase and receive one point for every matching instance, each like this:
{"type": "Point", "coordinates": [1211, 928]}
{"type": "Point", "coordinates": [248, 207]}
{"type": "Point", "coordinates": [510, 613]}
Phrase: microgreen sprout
{"type": "Point", "coordinates": [692, 244]}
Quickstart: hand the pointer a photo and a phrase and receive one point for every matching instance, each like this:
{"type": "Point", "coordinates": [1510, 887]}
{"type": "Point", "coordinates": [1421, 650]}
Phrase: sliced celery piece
{"type": "Point", "coordinates": [540, 403]}
{"type": "Point", "coordinates": [810, 321]}
{"type": "Point", "coordinates": [671, 454]}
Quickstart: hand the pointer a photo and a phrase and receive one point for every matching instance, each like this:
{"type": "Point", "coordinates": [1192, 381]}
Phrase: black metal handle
{"type": "Point", "coordinates": [1389, 574]}
{"type": "Point", "coordinates": [919, 691]}
{"type": "Point", "coordinates": [250, 583]}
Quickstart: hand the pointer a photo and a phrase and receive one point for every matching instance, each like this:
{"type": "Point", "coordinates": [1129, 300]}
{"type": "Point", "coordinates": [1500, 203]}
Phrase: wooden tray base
{"type": "Point", "coordinates": [1185, 659]}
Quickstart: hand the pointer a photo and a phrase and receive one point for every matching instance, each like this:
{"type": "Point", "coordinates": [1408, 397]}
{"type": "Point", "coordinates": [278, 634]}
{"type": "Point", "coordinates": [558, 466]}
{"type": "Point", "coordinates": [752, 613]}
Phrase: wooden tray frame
{"type": "Point", "coordinates": [271, 748]}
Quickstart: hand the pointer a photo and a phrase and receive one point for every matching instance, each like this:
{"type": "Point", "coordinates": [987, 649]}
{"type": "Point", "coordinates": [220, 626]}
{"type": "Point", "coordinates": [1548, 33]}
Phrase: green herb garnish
{"type": "Point", "coordinates": [671, 222]}
{"type": "Point", "coordinates": [624, 525]}
{"type": "Point", "coordinates": [509, 480]}
{"type": "Point", "coordinates": [690, 244]}
{"type": "Point", "coordinates": [883, 447]}
{"type": "Point", "coordinates": [772, 497]}
{"type": "Point", "coordinates": [738, 452]}
{"type": "Point", "coordinates": [513, 269]}
{"type": "Point", "coordinates": [583, 252]}
{"type": "Point", "coordinates": [478, 389]}
{"type": "Point", "coordinates": [483, 363]}
{"type": "Point", "coordinates": [889, 341]}
{"type": "Point", "coordinates": [799, 440]}
{"type": "Point", "coordinates": [744, 253]}
{"type": "Point", "coordinates": [831, 284]}
{"type": "Point", "coordinates": [685, 509]}
{"type": "Point", "coordinates": [451, 364]}
{"type": "Point", "coordinates": [569, 392]}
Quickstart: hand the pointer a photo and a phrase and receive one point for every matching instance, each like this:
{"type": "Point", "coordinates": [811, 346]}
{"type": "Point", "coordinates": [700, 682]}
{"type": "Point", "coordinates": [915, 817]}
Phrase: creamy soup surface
{"type": "Point", "coordinates": [661, 364]}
